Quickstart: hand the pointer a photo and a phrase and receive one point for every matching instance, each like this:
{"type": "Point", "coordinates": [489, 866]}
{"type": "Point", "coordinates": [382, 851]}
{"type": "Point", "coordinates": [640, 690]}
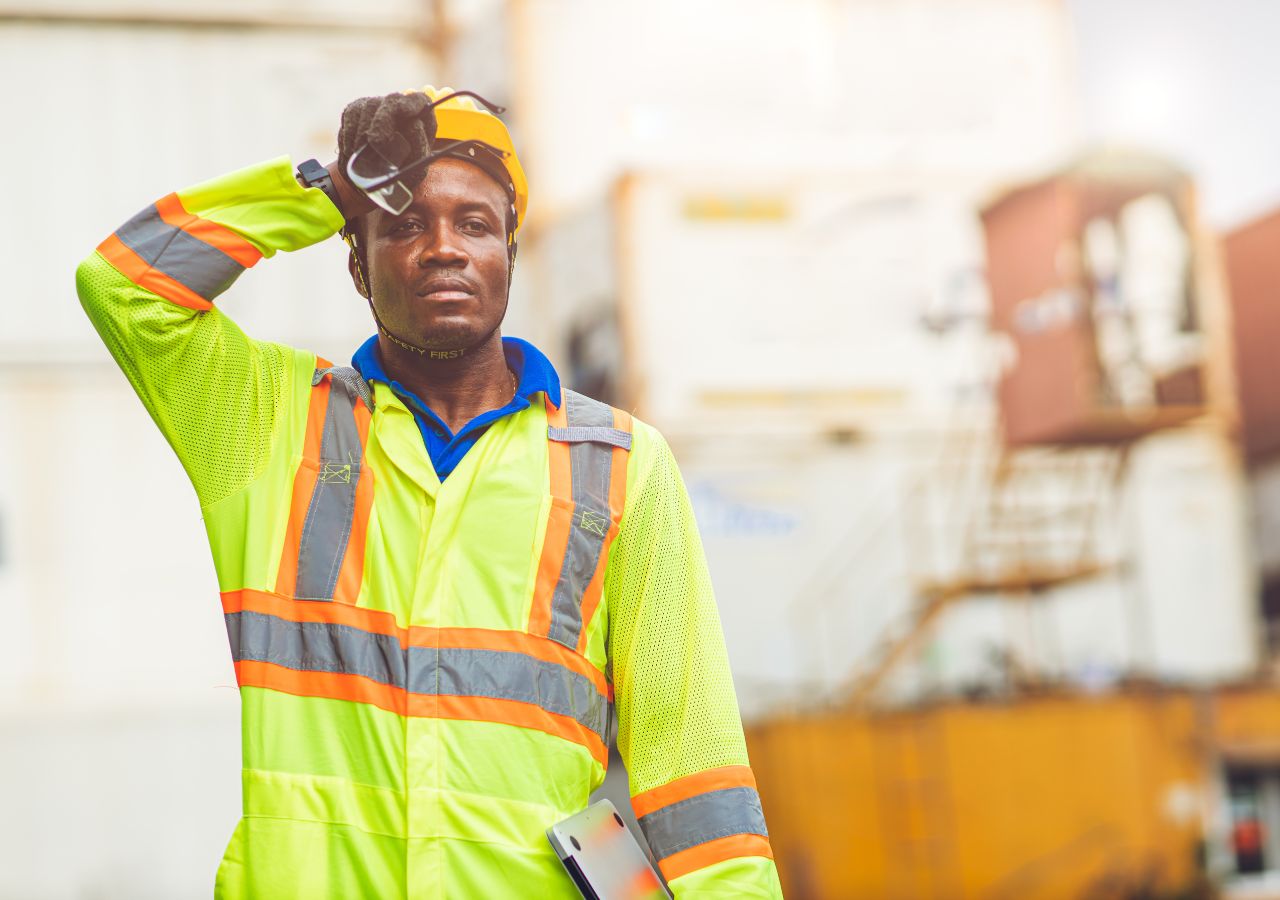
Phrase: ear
{"type": "Point", "coordinates": [357, 274]}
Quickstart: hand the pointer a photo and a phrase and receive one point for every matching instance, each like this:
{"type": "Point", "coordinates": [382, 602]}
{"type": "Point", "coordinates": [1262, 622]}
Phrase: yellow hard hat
{"type": "Point", "coordinates": [460, 118]}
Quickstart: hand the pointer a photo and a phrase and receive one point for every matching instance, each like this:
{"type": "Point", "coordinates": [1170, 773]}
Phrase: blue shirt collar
{"type": "Point", "coordinates": [532, 368]}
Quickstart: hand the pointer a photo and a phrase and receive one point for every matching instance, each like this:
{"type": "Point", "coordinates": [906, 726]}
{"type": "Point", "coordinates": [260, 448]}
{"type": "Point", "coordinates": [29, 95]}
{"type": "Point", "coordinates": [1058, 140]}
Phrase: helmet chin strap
{"type": "Point", "coordinates": [405, 345]}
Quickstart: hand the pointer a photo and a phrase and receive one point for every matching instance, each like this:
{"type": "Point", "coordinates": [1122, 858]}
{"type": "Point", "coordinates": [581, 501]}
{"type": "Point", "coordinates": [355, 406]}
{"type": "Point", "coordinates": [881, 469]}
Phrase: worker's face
{"type": "Point", "coordinates": [438, 271]}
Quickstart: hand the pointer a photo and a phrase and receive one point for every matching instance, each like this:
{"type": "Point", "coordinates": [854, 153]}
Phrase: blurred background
{"type": "Point", "coordinates": [961, 316]}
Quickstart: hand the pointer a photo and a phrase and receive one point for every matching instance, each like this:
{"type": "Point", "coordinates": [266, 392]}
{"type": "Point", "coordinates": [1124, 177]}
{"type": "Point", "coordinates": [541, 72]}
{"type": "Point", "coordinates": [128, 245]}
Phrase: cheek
{"type": "Point", "coordinates": [386, 265]}
{"type": "Point", "coordinates": [494, 270]}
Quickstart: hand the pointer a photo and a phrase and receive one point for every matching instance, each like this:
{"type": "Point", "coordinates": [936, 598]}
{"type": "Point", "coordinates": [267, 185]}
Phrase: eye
{"type": "Point", "coordinates": [475, 226]}
{"type": "Point", "coordinates": [405, 226]}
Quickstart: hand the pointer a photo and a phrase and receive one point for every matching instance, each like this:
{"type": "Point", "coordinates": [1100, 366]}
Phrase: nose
{"type": "Point", "coordinates": [440, 246]}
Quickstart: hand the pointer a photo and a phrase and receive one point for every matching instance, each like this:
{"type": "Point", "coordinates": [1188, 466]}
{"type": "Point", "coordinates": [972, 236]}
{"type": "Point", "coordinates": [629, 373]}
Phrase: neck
{"type": "Point", "coordinates": [456, 389]}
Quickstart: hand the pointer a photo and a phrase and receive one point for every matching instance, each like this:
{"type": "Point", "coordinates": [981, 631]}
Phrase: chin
{"type": "Point", "coordinates": [451, 336]}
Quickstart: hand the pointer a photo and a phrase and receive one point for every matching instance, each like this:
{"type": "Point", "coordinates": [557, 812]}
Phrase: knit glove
{"type": "Point", "coordinates": [400, 127]}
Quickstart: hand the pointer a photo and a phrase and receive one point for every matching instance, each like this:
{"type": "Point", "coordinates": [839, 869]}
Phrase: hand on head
{"type": "Point", "coordinates": [399, 127]}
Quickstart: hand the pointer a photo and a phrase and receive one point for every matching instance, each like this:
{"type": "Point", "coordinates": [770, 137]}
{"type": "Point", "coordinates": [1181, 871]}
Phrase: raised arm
{"type": "Point", "coordinates": [679, 731]}
{"type": "Point", "coordinates": [149, 289]}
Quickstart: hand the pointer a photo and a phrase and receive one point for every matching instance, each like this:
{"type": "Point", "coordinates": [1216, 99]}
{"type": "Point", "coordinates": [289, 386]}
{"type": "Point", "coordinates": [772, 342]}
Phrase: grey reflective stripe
{"type": "Point", "coordinates": [504, 675]}
{"type": "Point", "coordinates": [315, 647]}
{"type": "Point", "coordinates": [327, 527]}
{"type": "Point", "coordinates": [703, 818]}
{"type": "Point", "coordinates": [351, 378]}
{"type": "Point", "coordinates": [202, 267]}
{"type": "Point", "coordinates": [613, 436]}
{"type": "Point", "coordinates": [590, 464]}
{"type": "Point", "coordinates": [446, 671]}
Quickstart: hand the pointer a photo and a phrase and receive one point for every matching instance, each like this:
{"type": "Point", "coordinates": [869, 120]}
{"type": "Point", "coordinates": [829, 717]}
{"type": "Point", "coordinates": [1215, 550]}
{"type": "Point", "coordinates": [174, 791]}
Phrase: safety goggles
{"type": "Point", "coordinates": [382, 180]}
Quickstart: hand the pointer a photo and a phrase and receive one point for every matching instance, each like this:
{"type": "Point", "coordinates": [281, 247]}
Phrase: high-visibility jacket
{"type": "Point", "coordinates": [426, 669]}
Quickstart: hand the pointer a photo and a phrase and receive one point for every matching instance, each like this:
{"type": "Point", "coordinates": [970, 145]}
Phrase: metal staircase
{"type": "Point", "coordinates": [992, 521]}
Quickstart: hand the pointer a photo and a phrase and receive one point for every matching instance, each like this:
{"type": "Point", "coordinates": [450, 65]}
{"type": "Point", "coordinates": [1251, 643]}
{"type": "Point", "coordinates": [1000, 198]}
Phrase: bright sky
{"type": "Point", "coordinates": [1194, 79]}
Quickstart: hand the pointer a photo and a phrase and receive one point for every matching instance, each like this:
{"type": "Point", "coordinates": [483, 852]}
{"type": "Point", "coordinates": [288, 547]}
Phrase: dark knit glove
{"type": "Point", "coordinates": [400, 127]}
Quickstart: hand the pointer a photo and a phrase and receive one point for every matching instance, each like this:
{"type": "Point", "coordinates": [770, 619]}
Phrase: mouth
{"type": "Point", "coordinates": [446, 289]}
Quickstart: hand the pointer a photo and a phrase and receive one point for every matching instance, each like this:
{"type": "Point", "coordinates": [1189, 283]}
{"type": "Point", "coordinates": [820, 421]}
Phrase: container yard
{"type": "Point", "coordinates": [958, 317]}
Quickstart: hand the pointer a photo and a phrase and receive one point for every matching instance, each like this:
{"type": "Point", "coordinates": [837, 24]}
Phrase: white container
{"type": "Point", "coordinates": [123, 115]}
{"type": "Point", "coordinates": [816, 551]}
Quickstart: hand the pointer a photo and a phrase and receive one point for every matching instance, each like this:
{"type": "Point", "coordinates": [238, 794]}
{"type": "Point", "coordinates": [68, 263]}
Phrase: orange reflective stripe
{"type": "Point", "coordinates": [712, 852]}
{"type": "Point", "coordinates": [316, 409]}
{"type": "Point", "coordinates": [595, 587]}
{"type": "Point", "coordinates": [173, 212]}
{"type": "Point", "coordinates": [330, 685]}
{"type": "Point", "coordinates": [373, 621]}
{"type": "Point", "coordinates": [378, 622]}
{"type": "Point", "coordinates": [304, 485]}
{"type": "Point", "coordinates": [618, 486]}
{"type": "Point", "coordinates": [358, 689]}
{"type": "Point", "coordinates": [512, 712]}
{"type": "Point", "coordinates": [559, 521]}
{"type": "Point", "coordinates": [137, 270]}
{"type": "Point", "coordinates": [554, 544]}
{"type": "Point", "coordinates": [692, 785]}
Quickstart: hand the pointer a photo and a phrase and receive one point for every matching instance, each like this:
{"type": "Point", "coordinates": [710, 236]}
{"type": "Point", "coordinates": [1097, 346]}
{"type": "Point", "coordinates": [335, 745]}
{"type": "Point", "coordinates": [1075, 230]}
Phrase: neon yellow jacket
{"type": "Point", "coordinates": [426, 669]}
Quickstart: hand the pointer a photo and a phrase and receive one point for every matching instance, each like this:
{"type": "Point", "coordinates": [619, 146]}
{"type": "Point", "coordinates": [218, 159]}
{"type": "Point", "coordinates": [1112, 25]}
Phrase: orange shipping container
{"type": "Point", "coordinates": [1039, 798]}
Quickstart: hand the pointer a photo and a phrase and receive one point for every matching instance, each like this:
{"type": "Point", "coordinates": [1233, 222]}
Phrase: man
{"type": "Point", "coordinates": [438, 567]}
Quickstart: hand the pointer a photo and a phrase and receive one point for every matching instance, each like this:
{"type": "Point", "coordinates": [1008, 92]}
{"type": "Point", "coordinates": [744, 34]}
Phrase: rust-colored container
{"type": "Point", "coordinates": [1092, 277]}
{"type": "Point", "coordinates": [1252, 261]}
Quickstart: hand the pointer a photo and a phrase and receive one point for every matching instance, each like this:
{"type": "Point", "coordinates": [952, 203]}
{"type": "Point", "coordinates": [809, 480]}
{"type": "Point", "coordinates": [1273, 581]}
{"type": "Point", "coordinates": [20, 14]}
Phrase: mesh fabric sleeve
{"type": "Point", "coordinates": [148, 290]}
{"type": "Point", "coordinates": [679, 730]}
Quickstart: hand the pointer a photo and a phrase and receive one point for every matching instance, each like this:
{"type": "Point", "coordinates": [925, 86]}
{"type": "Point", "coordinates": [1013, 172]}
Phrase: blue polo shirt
{"type": "Point", "coordinates": [445, 448]}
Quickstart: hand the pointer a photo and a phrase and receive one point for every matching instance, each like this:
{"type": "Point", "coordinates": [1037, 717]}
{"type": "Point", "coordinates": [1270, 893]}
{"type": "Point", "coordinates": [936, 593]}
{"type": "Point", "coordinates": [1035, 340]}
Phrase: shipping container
{"type": "Point", "coordinates": [1094, 278]}
{"type": "Point", "coordinates": [823, 561]}
{"type": "Point", "coordinates": [174, 101]}
{"type": "Point", "coordinates": [1129, 793]}
{"type": "Point", "coordinates": [1252, 267]}
{"type": "Point", "coordinates": [833, 297]}
{"type": "Point", "coordinates": [1264, 504]}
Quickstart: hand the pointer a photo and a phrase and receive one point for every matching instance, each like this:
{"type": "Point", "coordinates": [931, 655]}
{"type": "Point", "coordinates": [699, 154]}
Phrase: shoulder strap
{"type": "Point", "coordinates": [588, 443]}
{"type": "Point", "coordinates": [324, 550]}
{"type": "Point", "coordinates": [349, 377]}
{"type": "Point", "coordinates": [589, 421]}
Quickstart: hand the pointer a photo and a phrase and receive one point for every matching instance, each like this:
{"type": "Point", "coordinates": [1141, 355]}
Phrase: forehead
{"type": "Point", "coordinates": [454, 182]}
